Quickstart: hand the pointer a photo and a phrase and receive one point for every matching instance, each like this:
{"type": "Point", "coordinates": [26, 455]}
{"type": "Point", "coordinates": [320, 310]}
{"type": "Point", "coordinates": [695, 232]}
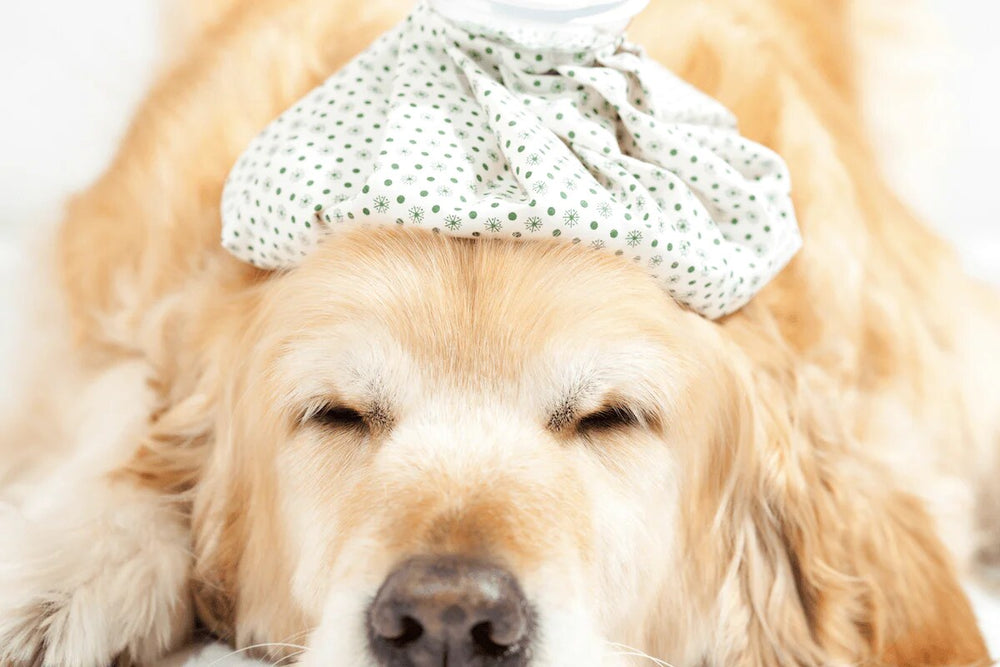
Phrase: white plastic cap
{"type": "Point", "coordinates": [608, 15]}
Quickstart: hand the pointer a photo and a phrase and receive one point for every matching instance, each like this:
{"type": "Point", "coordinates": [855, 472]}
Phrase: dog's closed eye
{"type": "Point", "coordinates": [338, 416]}
{"type": "Point", "coordinates": [606, 418]}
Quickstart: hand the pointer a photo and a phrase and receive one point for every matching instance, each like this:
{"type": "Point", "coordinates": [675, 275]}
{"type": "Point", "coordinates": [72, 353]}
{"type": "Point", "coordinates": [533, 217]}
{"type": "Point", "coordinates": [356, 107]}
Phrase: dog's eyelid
{"type": "Point", "coordinates": [334, 414]}
{"type": "Point", "coordinates": [610, 416]}
{"type": "Point", "coordinates": [374, 418]}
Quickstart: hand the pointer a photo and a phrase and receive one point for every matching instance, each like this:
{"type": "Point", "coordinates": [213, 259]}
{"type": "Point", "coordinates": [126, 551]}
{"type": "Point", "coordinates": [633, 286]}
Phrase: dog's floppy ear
{"type": "Point", "coordinates": [195, 359]}
{"type": "Point", "coordinates": [838, 564]}
{"type": "Point", "coordinates": [212, 457]}
{"type": "Point", "coordinates": [867, 571]}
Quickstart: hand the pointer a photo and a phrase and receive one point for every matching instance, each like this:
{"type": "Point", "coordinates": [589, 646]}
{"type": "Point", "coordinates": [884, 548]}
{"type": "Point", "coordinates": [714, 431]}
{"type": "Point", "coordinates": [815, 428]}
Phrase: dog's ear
{"type": "Point", "coordinates": [195, 361]}
{"type": "Point", "coordinates": [207, 451]}
{"type": "Point", "coordinates": [861, 556]}
{"type": "Point", "coordinates": [839, 563]}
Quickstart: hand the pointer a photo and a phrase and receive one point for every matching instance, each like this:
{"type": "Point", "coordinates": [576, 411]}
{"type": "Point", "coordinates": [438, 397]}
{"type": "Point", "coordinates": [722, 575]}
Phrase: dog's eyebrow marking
{"type": "Point", "coordinates": [567, 408]}
{"type": "Point", "coordinates": [376, 406]}
{"type": "Point", "coordinates": [379, 415]}
{"type": "Point", "coordinates": [562, 415]}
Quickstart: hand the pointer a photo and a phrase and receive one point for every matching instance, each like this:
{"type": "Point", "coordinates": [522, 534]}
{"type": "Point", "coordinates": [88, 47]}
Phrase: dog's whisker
{"type": "Point", "coordinates": [288, 659]}
{"type": "Point", "coordinates": [253, 647]}
{"type": "Point", "coordinates": [626, 650]}
{"type": "Point", "coordinates": [290, 638]}
{"type": "Point", "coordinates": [644, 656]}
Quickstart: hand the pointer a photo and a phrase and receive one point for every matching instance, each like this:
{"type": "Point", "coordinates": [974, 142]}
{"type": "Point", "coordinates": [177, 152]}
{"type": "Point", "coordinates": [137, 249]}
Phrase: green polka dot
{"type": "Point", "coordinates": [341, 154]}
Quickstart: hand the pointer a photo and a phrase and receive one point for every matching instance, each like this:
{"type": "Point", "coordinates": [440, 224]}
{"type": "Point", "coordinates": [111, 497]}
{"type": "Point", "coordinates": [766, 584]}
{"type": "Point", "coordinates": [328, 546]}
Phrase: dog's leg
{"type": "Point", "coordinates": [93, 567]}
{"type": "Point", "coordinates": [100, 573]}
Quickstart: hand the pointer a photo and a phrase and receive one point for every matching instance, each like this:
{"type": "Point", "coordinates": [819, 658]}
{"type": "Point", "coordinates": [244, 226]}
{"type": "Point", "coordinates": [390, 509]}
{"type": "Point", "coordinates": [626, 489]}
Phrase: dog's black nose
{"type": "Point", "coordinates": [449, 610]}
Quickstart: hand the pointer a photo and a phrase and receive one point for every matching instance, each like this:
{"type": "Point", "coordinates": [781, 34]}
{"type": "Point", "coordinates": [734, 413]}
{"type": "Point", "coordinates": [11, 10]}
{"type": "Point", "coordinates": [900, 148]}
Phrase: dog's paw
{"type": "Point", "coordinates": [85, 594]}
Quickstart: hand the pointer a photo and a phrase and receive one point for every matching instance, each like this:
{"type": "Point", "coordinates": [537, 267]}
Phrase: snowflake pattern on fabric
{"type": "Point", "coordinates": [469, 132]}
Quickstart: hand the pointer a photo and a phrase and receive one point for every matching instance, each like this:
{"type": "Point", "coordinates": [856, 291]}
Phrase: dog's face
{"type": "Point", "coordinates": [420, 419]}
{"type": "Point", "coordinates": [427, 451]}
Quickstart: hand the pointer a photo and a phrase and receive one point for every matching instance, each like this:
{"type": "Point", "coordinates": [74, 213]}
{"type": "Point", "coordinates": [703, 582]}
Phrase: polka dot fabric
{"type": "Point", "coordinates": [478, 133]}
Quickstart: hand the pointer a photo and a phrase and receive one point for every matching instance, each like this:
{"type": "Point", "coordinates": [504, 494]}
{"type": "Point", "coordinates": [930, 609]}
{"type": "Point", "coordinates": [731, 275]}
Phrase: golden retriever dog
{"type": "Point", "coordinates": [416, 450]}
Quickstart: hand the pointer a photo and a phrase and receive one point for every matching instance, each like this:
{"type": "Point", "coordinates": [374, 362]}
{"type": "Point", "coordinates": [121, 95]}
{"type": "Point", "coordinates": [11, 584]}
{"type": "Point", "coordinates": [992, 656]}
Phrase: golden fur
{"type": "Point", "coordinates": [793, 492]}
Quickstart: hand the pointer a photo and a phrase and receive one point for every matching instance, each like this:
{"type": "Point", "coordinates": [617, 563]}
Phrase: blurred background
{"type": "Point", "coordinates": [73, 73]}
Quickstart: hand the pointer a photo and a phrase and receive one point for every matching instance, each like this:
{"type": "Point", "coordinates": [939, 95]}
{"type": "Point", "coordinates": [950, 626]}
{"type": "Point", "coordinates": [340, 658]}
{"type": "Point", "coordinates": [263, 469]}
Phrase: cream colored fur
{"type": "Point", "coordinates": [800, 484]}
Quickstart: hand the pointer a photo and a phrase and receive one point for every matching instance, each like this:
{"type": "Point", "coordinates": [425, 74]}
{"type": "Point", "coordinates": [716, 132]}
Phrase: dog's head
{"type": "Point", "coordinates": [414, 450]}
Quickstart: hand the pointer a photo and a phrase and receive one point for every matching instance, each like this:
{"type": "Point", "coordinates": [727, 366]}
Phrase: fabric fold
{"type": "Point", "coordinates": [469, 132]}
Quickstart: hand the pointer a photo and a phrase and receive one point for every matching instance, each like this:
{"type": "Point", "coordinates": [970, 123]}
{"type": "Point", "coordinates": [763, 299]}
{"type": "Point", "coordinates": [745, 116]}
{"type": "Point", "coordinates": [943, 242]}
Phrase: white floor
{"type": "Point", "coordinates": [74, 71]}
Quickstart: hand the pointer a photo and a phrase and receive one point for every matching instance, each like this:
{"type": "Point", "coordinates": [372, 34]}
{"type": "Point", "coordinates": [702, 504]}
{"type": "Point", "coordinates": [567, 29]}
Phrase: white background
{"type": "Point", "coordinates": [72, 71]}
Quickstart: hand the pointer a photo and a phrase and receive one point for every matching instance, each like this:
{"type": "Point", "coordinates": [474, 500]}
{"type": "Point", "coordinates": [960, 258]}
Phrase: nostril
{"type": "Point", "coordinates": [391, 624]}
{"type": "Point", "coordinates": [504, 623]}
{"type": "Point", "coordinates": [410, 631]}
{"type": "Point", "coordinates": [484, 642]}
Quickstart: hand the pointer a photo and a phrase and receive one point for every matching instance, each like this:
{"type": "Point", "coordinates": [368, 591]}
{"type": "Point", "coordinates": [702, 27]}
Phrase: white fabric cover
{"type": "Point", "coordinates": [570, 135]}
